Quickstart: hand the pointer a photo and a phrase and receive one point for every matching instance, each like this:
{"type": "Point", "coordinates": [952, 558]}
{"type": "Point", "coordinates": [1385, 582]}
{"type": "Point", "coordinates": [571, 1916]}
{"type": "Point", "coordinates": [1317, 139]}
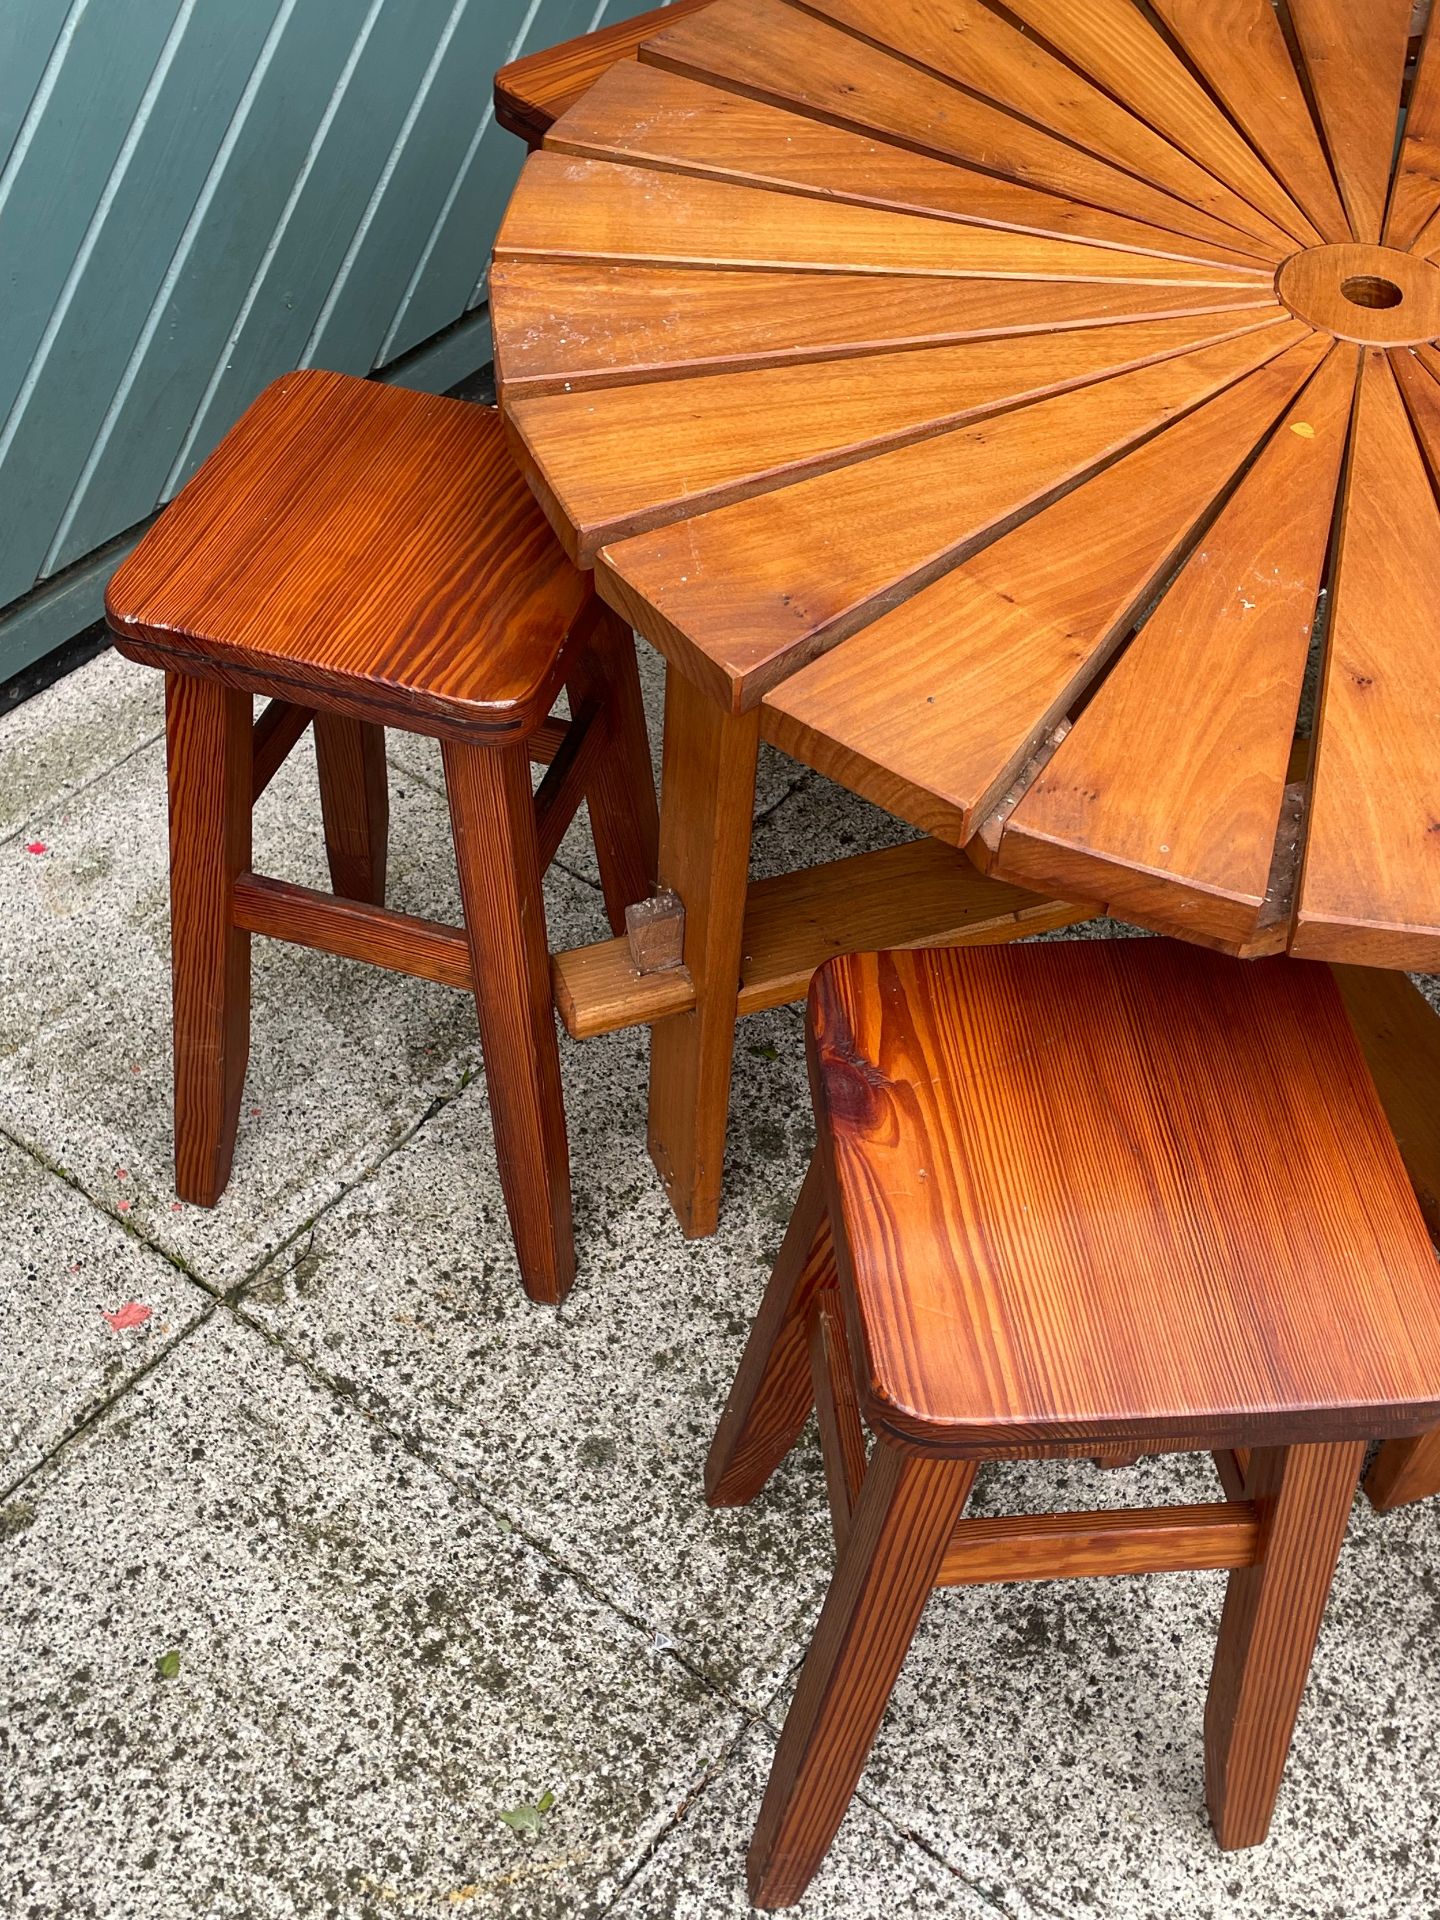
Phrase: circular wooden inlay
{"type": "Point", "coordinates": [1377, 296]}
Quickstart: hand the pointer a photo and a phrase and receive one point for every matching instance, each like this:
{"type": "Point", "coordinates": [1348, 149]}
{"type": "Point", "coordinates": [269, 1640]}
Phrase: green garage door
{"type": "Point", "coordinates": [196, 195]}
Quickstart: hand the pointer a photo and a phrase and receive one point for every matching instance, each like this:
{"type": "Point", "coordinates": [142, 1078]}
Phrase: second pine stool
{"type": "Point", "coordinates": [1094, 1198]}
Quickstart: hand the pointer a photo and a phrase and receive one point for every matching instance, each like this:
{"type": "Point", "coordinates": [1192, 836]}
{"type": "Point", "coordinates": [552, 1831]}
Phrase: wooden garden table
{"type": "Point", "coordinates": [1001, 411]}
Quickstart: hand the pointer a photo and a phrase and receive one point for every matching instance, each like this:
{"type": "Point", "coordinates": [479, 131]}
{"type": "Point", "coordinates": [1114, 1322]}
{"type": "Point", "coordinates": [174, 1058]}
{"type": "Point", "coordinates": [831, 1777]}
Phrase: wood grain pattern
{"type": "Point", "coordinates": [744, 596]}
{"type": "Point", "coordinates": [933, 710]}
{"type": "Point", "coordinates": [1400, 1034]}
{"type": "Point", "coordinates": [1241, 1151]}
{"type": "Point", "coordinates": [531, 93]}
{"type": "Point", "coordinates": [1269, 1628]}
{"type": "Point", "coordinates": [1370, 884]}
{"type": "Point", "coordinates": [352, 929]}
{"type": "Point", "coordinates": [492, 817]}
{"type": "Point", "coordinates": [620, 461]}
{"type": "Point", "coordinates": [708, 799]}
{"type": "Point", "coordinates": [1239, 48]}
{"type": "Point", "coordinates": [1111, 41]}
{"type": "Point", "coordinates": [368, 543]}
{"type": "Point", "coordinates": [765, 49]}
{"type": "Point", "coordinates": [623, 213]}
{"type": "Point", "coordinates": [620, 791]}
{"type": "Point", "coordinates": [207, 737]}
{"type": "Point", "coordinates": [916, 894]}
{"type": "Point", "coordinates": [907, 1510]}
{"type": "Point", "coordinates": [1355, 57]}
{"type": "Point", "coordinates": [743, 305]}
{"type": "Point", "coordinates": [1116, 1540]}
{"type": "Point", "coordinates": [354, 804]}
{"type": "Point", "coordinates": [772, 1395]}
{"type": "Point", "coordinates": [1319, 286]}
{"type": "Point", "coordinates": [1404, 1471]}
{"type": "Point", "coordinates": [648, 115]}
{"type": "Point", "coordinates": [625, 324]}
{"type": "Point", "coordinates": [975, 47]}
{"type": "Point", "coordinates": [1140, 829]}
{"type": "Point", "coordinates": [1415, 190]}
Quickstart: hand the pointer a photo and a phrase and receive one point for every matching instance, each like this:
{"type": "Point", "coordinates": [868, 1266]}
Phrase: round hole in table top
{"type": "Point", "coordinates": [1006, 400]}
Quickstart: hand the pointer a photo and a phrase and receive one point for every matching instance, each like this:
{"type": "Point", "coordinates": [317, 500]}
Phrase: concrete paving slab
{"type": "Point", "coordinates": [256, 1660]}
{"type": "Point", "coordinates": [87, 1306]}
{"type": "Point", "coordinates": [873, 1872]}
{"type": "Point", "coordinates": [70, 734]}
{"type": "Point", "coordinates": [588, 1426]}
{"type": "Point", "coordinates": [344, 1059]}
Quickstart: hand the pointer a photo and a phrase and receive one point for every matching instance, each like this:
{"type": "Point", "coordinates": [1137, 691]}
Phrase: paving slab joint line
{"type": "Point", "coordinates": [65, 800]}
{"type": "Point", "coordinates": [125, 1224]}
{"type": "Point", "coordinates": [415, 1445]}
{"type": "Point", "coordinates": [103, 1407]}
{"type": "Point", "coordinates": [708, 1778]}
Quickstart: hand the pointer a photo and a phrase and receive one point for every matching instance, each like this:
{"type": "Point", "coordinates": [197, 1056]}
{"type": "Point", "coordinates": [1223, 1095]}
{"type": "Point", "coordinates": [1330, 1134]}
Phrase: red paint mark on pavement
{"type": "Point", "coordinates": [132, 1314]}
{"type": "Point", "coordinates": [36, 846]}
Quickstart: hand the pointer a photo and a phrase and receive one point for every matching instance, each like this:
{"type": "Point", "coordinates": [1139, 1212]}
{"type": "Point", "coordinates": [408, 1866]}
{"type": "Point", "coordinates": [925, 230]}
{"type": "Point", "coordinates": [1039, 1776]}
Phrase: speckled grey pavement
{"type": "Point", "coordinates": [321, 1549]}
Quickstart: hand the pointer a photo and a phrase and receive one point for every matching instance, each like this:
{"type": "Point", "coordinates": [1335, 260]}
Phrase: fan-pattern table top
{"type": "Point", "coordinates": [1027, 405]}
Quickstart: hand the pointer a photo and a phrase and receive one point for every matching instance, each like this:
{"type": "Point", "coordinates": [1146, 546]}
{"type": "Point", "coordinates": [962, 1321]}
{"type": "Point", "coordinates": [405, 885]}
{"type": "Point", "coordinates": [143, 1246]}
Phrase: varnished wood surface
{"type": "Point", "coordinates": [919, 894]}
{"type": "Point", "coordinates": [1049, 1127]}
{"type": "Point", "coordinates": [369, 543]}
{"type": "Point", "coordinates": [532, 92]}
{"type": "Point", "coordinates": [819, 304]}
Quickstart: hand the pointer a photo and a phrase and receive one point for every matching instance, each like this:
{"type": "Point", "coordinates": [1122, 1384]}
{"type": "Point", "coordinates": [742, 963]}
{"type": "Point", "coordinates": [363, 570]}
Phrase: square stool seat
{"type": "Point", "coordinates": [366, 543]}
{"type": "Point", "coordinates": [1118, 1191]}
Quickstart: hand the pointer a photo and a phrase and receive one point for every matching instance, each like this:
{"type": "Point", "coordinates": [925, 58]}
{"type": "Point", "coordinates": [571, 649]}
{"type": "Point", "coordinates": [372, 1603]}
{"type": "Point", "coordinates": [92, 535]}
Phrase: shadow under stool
{"type": "Point", "coordinates": [369, 557]}
{"type": "Point", "coordinates": [1093, 1199]}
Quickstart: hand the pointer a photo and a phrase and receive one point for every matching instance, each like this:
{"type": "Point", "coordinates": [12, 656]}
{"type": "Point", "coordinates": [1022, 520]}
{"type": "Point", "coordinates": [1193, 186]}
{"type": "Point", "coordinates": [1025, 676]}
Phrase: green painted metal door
{"type": "Point", "coordinates": [196, 195]}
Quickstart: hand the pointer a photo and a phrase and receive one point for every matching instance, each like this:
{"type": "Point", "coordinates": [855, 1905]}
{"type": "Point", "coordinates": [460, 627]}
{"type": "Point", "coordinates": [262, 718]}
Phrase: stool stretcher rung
{"type": "Point", "coordinates": [917, 894]}
{"type": "Point", "coordinates": [352, 930]}
{"type": "Point", "coordinates": [1067, 1546]}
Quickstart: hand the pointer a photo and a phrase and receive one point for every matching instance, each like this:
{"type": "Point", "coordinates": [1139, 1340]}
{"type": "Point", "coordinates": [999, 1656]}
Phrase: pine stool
{"type": "Point", "coordinates": [369, 557]}
{"type": "Point", "coordinates": [1097, 1199]}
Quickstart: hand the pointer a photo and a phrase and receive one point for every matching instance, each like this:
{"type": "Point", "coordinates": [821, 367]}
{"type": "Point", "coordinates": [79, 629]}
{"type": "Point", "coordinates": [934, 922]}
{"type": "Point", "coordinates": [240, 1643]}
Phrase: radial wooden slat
{"type": "Point", "coordinates": [1112, 42]}
{"type": "Point", "coordinates": [741, 597]}
{"type": "Point", "coordinates": [970, 44]}
{"type": "Point", "coordinates": [1415, 195]}
{"type": "Point", "coordinates": [1421, 390]}
{"type": "Point", "coordinates": [1355, 56]}
{"type": "Point", "coordinates": [789, 325]}
{"type": "Point", "coordinates": [583, 209]}
{"type": "Point", "coordinates": [1185, 833]}
{"type": "Point", "coordinates": [1370, 884]}
{"type": "Point", "coordinates": [644, 323]}
{"type": "Point", "coordinates": [1240, 49]}
{"type": "Point", "coordinates": [646, 115]}
{"type": "Point", "coordinates": [934, 709]}
{"type": "Point", "coordinates": [619, 460]}
{"type": "Point", "coordinates": [767, 49]}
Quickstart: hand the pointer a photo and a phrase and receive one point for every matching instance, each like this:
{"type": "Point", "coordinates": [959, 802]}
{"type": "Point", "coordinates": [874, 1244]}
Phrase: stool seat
{"type": "Point", "coordinates": [363, 545]}
{"type": "Point", "coordinates": [1118, 1191]}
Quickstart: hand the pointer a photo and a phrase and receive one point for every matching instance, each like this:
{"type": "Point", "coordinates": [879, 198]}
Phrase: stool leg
{"type": "Point", "coordinates": [623, 816]}
{"type": "Point", "coordinates": [208, 751]}
{"type": "Point", "coordinates": [493, 816]}
{"type": "Point", "coordinates": [772, 1395]}
{"type": "Point", "coordinates": [1404, 1470]}
{"type": "Point", "coordinates": [1269, 1628]}
{"type": "Point", "coordinates": [355, 804]}
{"type": "Point", "coordinates": [908, 1508]}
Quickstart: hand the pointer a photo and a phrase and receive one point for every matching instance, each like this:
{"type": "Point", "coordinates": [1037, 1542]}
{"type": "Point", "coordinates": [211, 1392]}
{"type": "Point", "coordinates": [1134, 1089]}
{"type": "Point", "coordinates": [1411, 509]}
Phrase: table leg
{"type": "Point", "coordinates": [1400, 1036]}
{"type": "Point", "coordinates": [707, 803]}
